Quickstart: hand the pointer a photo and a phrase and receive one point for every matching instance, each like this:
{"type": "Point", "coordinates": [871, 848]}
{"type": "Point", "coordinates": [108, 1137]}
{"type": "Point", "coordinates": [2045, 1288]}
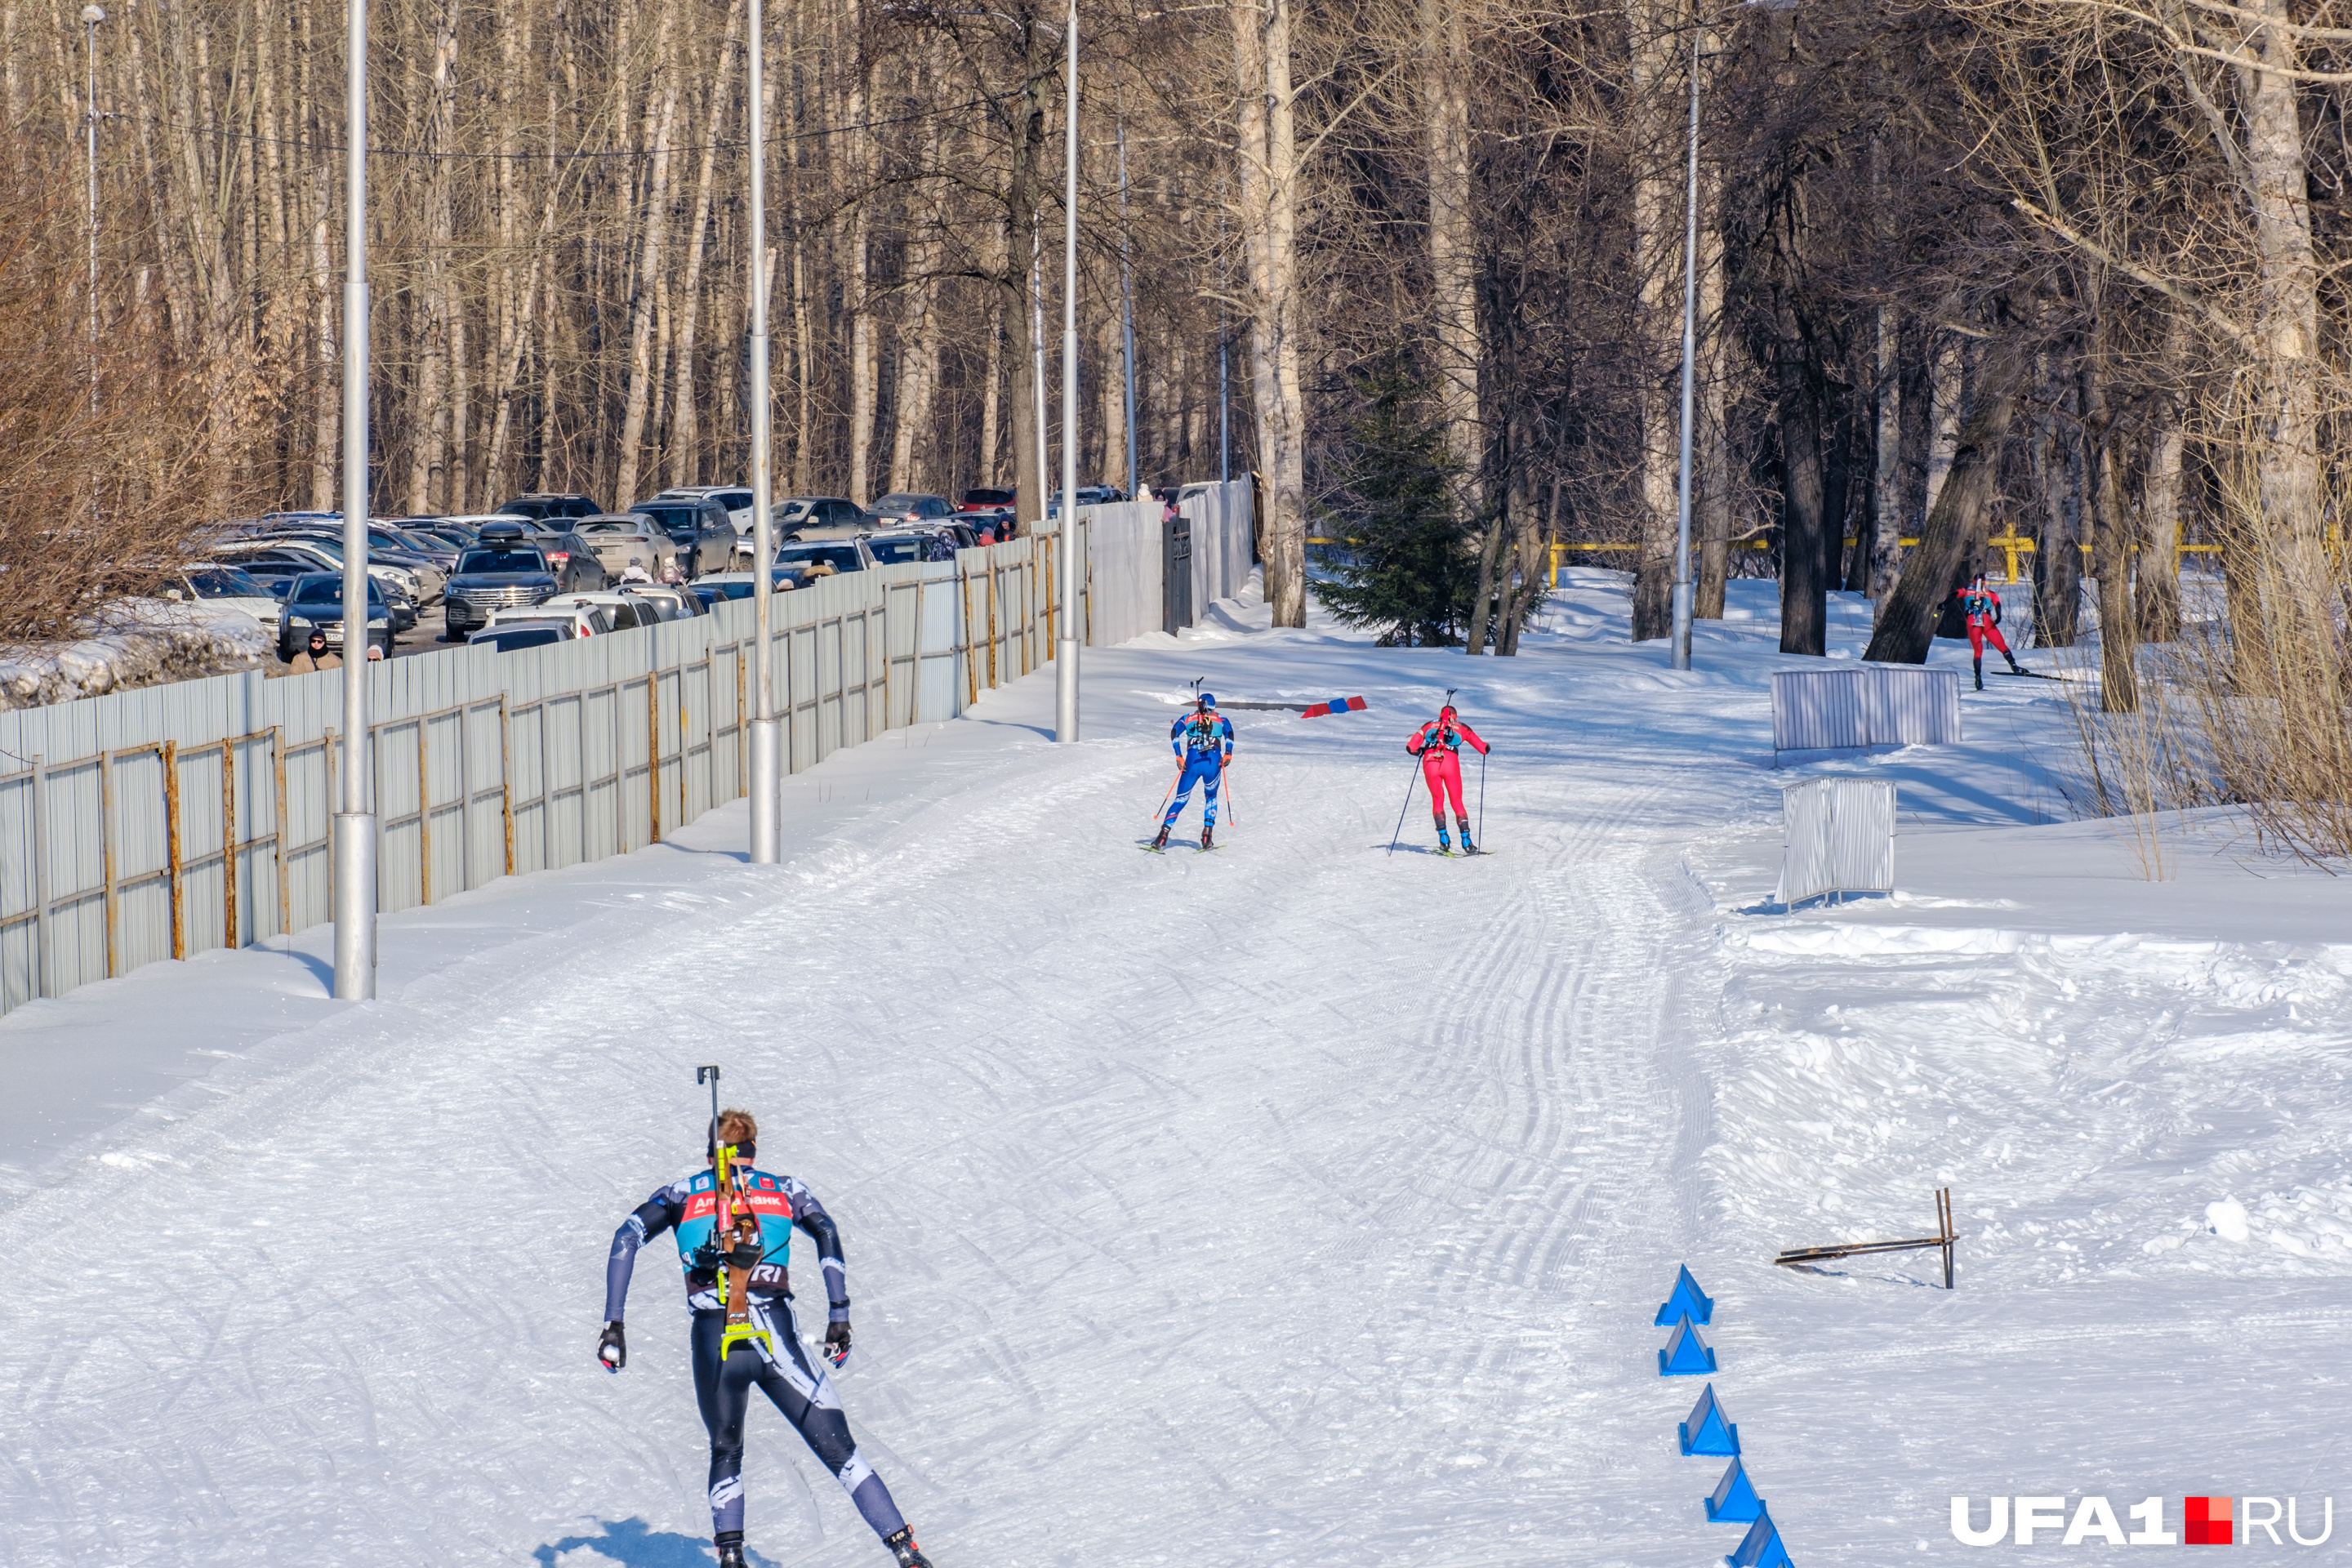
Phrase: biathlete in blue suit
{"type": "Point", "coordinates": [1204, 740]}
{"type": "Point", "coordinates": [770, 1358]}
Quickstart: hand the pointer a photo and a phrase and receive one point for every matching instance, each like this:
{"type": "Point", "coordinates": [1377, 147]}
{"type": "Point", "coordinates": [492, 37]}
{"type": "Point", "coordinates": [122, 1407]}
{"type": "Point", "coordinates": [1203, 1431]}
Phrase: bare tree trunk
{"type": "Point", "coordinates": [429, 418]}
{"type": "Point", "coordinates": [1803, 601]}
{"type": "Point", "coordinates": [648, 276]}
{"type": "Point", "coordinates": [685, 437]}
{"type": "Point", "coordinates": [2110, 540]}
{"type": "Point", "coordinates": [2057, 563]}
{"type": "Point", "coordinates": [2158, 608]}
{"type": "Point", "coordinates": [1887, 473]}
{"type": "Point", "coordinates": [859, 283]}
{"type": "Point", "coordinates": [1446, 74]}
{"type": "Point", "coordinates": [1657, 246]}
{"type": "Point", "coordinates": [1713, 476]}
{"type": "Point", "coordinates": [1946, 375]}
{"type": "Point", "coordinates": [1016, 291]}
{"type": "Point", "coordinates": [1269, 213]}
{"type": "Point", "coordinates": [2287, 461]}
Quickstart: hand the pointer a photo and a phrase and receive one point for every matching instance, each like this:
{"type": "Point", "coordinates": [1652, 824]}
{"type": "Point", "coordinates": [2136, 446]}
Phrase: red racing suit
{"type": "Point", "coordinates": [1438, 744]}
{"type": "Point", "coordinates": [1981, 605]}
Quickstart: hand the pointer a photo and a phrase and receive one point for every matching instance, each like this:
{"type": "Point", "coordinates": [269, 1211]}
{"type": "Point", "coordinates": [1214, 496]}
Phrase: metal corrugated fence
{"type": "Point", "coordinates": [1837, 837]}
{"type": "Point", "coordinates": [1864, 705]}
{"type": "Point", "coordinates": [167, 822]}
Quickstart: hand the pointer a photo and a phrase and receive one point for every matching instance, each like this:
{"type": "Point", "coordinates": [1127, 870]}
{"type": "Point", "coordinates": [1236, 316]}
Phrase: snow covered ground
{"type": "Point", "coordinates": [1300, 1204]}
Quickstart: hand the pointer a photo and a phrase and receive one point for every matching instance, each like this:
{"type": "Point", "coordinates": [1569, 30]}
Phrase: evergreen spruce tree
{"type": "Point", "coordinates": [1409, 569]}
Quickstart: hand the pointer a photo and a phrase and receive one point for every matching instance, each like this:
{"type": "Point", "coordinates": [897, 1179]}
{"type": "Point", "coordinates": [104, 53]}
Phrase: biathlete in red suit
{"type": "Point", "coordinates": [1982, 607]}
{"type": "Point", "coordinates": [1438, 744]}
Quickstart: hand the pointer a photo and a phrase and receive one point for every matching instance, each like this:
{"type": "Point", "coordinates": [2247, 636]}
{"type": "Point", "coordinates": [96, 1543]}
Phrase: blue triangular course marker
{"type": "Point", "coordinates": [1685, 1354]}
{"type": "Point", "coordinates": [1734, 1501]}
{"type": "Point", "coordinates": [1707, 1431]}
{"type": "Point", "coordinates": [1761, 1547]}
{"type": "Point", "coordinates": [1687, 1302]}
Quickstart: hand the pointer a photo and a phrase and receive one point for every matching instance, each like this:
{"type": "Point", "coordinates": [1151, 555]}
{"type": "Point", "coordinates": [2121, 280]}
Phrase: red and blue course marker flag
{"type": "Point", "coordinates": [1336, 705]}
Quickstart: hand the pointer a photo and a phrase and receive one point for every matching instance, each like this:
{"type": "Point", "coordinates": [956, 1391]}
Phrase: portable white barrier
{"type": "Point", "coordinates": [1838, 837]}
{"type": "Point", "coordinates": [1864, 705]}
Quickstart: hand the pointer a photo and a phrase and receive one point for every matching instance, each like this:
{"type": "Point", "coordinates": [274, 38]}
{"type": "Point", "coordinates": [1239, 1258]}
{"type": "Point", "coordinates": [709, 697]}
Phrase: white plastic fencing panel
{"type": "Point", "coordinates": [1865, 705]}
{"type": "Point", "coordinates": [1121, 569]}
{"type": "Point", "coordinates": [1222, 543]}
{"type": "Point", "coordinates": [1838, 837]}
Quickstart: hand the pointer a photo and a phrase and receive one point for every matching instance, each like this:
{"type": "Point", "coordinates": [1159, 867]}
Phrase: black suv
{"type": "Point", "coordinates": [506, 569]}
{"type": "Point", "coordinates": [541, 504]}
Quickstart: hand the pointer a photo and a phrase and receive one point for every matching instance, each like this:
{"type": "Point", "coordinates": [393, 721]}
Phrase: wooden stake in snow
{"type": "Point", "coordinates": [1944, 1238]}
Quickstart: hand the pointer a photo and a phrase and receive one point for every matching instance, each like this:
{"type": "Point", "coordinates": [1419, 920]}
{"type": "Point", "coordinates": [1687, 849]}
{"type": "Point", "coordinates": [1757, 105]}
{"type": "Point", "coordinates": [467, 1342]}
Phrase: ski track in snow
{"type": "Point", "coordinates": [1298, 1203]}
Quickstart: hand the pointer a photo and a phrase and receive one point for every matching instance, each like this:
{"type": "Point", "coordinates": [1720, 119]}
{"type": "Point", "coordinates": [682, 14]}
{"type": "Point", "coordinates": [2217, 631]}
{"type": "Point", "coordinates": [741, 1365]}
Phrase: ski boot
{"type": "Point", "coordinates": [1161, 842]}
{"type": "Point", "coordinates": [1444, 845]}
{"type": "Point", "coordinates": [902, 1546]}
{"type": "Point", "coordinates": [1467, 847]}
{"type": "Point", "coordinates": [731, 1549]}
{"type": "Point", "coordinates": [1208, 838]}
{"type": "Point", "coordinates": [1980, 675]}
{"type": "Point", "coordinates": [2014, 667]}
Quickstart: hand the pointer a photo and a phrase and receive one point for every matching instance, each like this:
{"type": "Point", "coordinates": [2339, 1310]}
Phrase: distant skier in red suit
{"type": "Point", "coordinates": [1438, 744]}
{"type": "Point", "coordinates": [1982, 607]}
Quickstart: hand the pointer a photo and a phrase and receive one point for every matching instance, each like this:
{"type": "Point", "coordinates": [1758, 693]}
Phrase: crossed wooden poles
{"type": "Point", "coordinates": [1944, 1238]}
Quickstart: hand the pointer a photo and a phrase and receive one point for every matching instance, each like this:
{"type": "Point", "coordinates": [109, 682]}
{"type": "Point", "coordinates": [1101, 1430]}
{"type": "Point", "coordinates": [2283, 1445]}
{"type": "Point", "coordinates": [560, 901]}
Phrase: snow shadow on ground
{"type": "Point", "coordinates": [633, 1543]}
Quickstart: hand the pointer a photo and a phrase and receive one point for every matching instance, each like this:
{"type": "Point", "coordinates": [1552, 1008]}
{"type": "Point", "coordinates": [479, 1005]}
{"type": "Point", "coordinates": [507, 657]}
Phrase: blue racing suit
{"type": "Point", "coordinates": [1204, 744]}
{"type": "Point", "coordinates": [776, 1365]}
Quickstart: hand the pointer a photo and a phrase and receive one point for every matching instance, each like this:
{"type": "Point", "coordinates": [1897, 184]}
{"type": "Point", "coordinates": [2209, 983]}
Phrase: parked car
{"type": "Point", "coordinates": [585, 620]}
{"type": "Point", "coordinates": [1089, 495]}
{"type": "Point", "coordinates": [324, 553]}
{"type": "Point", "coordinates": [841, 555]}
{"type": "Point", "coordinates": [722, 585]}
{"type": "Point", "coordinates": [229, 588]}
{"type": "Point", "coordinates": [988, 502]}
{"type": "Point", "coordinates": [908, 506]}
{"type": "Point", "coordinates": [576, 568]}
{"type": "Point", "coordinates": [677, 604]}
{"type": "Point", "coordinates": [795, 513]}
{"type": "Point", "coordinates": [318, 601]}
{"type": "Point", "coordinates": [706, 540]}
{"type": "Point", "coordinates": [898, 549]}
{"type": "Point", "coordinates": [538, 505]}
{"type": "Point", "coordinates": [735, 498]}
{"type": "Point", "coordinates": [621, 606]}
{"type": "Point", "coordinates": [507, 570]}
{"type": "Point", "coordinates": [511, 636]}
{"type": "Point", "coordinates": [621, 540]}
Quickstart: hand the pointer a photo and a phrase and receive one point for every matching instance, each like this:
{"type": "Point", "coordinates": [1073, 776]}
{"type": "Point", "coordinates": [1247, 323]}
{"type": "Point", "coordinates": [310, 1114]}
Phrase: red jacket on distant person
{"type": "Point", "coordinates": [1438, 744]}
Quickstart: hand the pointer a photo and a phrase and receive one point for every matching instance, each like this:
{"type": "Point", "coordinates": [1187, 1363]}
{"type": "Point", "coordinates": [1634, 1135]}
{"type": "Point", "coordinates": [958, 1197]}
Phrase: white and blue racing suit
{"type": "Point", "coordinates": [773, 1362]}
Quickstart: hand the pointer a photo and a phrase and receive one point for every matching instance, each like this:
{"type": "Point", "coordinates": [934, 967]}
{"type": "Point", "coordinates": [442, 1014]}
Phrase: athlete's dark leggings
{"type": "Point", "coordinates": [805, 1398]}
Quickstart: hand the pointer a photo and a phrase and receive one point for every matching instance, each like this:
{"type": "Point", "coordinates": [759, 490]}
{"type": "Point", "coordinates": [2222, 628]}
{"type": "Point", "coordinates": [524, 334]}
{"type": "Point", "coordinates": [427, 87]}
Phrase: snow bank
{"type": "Point", "coordinates": [138, 642]}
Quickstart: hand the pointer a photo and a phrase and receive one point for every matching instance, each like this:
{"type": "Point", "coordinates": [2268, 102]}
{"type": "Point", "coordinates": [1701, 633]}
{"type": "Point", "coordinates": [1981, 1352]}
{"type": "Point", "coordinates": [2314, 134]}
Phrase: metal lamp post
{"type": "Point", "coordinates": [355, 827]}
{"type": "Point", "coordinates": [1065, 679]}
{"type": "Point", "coordinates": [767, 750]}
{"type": "Point", "coordinates": [1683, 591]}
{"type": "Point", "coordinates": [91, 16]}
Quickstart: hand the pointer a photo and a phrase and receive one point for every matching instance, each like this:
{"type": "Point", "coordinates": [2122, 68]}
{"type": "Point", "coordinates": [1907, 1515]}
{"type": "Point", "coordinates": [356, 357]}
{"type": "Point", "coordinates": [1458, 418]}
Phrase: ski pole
{"type": "Point", "coordinates": [1403, 809]}
{"type": "Point", "coordinates": [1161, 815]}
{"type": "Point", "coordinates": [1225, 778]}
{"type": "Point", "coordinates": [1482, 797]}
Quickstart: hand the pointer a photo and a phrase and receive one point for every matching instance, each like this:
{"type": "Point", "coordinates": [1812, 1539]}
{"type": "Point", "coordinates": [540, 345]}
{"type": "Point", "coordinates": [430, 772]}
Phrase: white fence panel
{"type": "Point", "coordinates": [1864, 705]}
{"type": "Point", "coordinates": [1837, 837]}
{"type": "Point", "coordinates": [1223, 548]}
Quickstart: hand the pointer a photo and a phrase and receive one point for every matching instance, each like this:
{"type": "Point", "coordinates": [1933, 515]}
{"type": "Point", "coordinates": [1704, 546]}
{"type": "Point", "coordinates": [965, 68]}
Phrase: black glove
{"type": "Point", "coordinates": [836, 1341]}
{"type": "Point", "coordinates": [612, 1349]}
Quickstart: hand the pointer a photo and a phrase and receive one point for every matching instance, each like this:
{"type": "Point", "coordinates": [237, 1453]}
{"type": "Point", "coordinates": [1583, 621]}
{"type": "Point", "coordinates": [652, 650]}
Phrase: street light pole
{"type": "Point", "coordinates": [355, 828]}
{"type": "Point", "coordinates": [767, 751]}
{"type": "Point", "coordinates": [1065, 681]}
{"type": "Point", "coordinates": [91, 16]}
{"type": "Point", "coordinates": [1683, 587]}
